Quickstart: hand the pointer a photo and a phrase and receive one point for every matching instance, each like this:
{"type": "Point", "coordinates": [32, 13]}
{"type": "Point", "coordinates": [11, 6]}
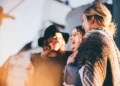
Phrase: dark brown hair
{"type": "Point", "coordinates": [81, 30]}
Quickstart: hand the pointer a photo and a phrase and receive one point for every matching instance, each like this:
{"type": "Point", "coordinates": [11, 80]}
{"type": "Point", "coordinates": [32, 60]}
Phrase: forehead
{"type": "Point", "coordinates": [74, 30]}
{"type": "Point", "coordinates": [58, 34]}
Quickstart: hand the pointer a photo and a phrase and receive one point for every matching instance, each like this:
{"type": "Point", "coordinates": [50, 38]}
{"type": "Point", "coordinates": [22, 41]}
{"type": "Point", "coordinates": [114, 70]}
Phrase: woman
{"type": "Point", "coordinates": [55, 40]}
{"type": "Point", "coordinates": [102, 58]}
{"type": "Point", "coordinates": [75, 41]}
{"type": "Point", "coordinates": [49, 65]}
{"type": "Point", "coordinates": [71, 70]}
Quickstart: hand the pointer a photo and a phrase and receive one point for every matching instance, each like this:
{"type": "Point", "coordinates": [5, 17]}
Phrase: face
{"type": "Point", "coordinates": [75, 39]}
{"type": "Point", "coordinates": [85, 23]}
{"type": "Point", "coordinates": [55, 42]}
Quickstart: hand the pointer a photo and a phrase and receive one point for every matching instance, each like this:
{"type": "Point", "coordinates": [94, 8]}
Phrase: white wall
{"type": "Point", "coordinates": [31, 15]}
{"type": "Point", "coordinates": [15, 33]}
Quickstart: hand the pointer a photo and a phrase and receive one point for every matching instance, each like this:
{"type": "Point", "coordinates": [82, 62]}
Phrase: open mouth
{"type": "Point", "coordinates": [73, 42]}
{"type": "Point", "coordinates": [72, 48]}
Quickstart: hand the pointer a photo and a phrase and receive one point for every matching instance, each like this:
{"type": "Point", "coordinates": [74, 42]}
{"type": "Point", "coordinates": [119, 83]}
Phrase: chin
{"type": "Point", "coordinates": [56, 49]}
{"type": "Point", "coordinates": [73, 51]}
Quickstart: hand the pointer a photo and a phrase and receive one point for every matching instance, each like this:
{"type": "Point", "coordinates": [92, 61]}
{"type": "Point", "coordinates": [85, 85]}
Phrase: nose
{"type": "Point", "coordinates": [55, 40]}
{"type": "Point", "coordinates": [71, 37]}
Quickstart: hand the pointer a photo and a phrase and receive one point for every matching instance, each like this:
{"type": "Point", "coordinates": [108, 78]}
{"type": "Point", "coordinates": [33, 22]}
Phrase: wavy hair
{"type": "Point", "coordinates": [102, 16]}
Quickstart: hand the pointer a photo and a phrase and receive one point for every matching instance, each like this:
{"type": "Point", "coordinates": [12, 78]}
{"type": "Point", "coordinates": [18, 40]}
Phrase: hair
{"type": "Point", "coordinates": [102, 16]}
{"type": "Point", "coordinates": [46, 45]}
{"type": "Point", "coordinates": [81, 30]}
{"type": "Point", "coordinates": [62, 48]}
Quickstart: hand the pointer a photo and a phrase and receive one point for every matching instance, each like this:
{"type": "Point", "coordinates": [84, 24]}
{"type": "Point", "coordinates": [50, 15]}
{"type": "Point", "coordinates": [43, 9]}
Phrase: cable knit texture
{"type": "Point", "coordinates": [100, 57]}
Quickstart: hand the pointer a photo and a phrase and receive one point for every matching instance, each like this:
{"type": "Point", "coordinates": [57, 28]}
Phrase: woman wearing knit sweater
{"type": "Point", "coordinates": [102, 57]}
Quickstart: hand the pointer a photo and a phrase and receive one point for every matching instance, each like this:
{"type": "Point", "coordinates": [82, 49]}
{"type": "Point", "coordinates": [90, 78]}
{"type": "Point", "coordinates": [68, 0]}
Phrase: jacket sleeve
{"type": "Point", "coordinates": [71, 75]}
{"type": "Point", "coordinates": [92, 55]}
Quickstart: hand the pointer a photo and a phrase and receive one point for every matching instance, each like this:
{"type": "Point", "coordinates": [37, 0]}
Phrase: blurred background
{"type": "Point", "coordinates": [24, 21]}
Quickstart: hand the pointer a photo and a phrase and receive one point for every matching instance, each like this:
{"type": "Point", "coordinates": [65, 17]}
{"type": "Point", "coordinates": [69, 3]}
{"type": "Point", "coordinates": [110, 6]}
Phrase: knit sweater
{"type": "Point", "coordinates": [98, 60]}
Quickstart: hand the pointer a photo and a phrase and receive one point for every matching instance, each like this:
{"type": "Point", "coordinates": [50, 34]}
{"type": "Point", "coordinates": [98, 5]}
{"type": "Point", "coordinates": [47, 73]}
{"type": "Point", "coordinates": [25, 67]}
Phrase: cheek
{"type": "Point", "coordinates": [71, 38]}
{"type": "Point", "coordinates": [83, 24]}
{"type": "Point", "coordinates": [50, 44]}
{"type": "Point", "coordinates": [80, 40]}
{"type": "Point", "coordinates": [78, 44]}
{"type": "Point", "coordinates": [60, 41]}
{"type": "Point", "coordinates": [77, 40]}
{"type": "Point", "coordinates": [86, 27]}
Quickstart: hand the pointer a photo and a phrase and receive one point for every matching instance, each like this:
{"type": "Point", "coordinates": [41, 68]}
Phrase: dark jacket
{"type": "Point", "coordinates": [100, 58]}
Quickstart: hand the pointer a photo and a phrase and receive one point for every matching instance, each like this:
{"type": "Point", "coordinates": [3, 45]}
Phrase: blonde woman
{"type": "Point", "coordinates": [49, 65]}
{"type": "Point", "coordinates": [102, 65]}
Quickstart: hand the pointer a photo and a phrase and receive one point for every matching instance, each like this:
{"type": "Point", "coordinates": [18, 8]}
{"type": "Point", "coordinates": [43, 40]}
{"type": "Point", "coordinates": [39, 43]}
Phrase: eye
{"type": "Point", "coordinates": [74, 34]}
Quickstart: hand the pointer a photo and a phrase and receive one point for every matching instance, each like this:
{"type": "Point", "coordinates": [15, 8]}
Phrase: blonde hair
{"type": "Point", "coordinates": [102, 16]}
{"type": "Point", "coordinates": [62, 48]}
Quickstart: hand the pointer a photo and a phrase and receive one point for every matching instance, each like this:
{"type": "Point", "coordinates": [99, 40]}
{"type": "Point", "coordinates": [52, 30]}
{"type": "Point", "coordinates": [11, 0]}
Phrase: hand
{"type": "Point", "coordinates": [72, 57]}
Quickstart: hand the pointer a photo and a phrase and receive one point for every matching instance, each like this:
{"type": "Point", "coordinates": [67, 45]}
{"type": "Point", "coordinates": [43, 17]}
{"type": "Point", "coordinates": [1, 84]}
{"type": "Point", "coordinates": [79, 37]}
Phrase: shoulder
{"type": "Point", "coordinates": [98, 33]}
{"type": "Point", "coordinates": [48, 54]}
{"type": "Point", "coordinates": [94, 42]}
{"type": "Point", "coordinates": [96, 36]}
{"type": "Point", "coordinates": [35, 56]}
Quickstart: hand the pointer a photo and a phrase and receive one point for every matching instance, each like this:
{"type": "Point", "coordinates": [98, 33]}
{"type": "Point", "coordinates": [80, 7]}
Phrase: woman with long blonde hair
{"type": "Point", "coordinates": [102, 57]}
{"type": "Point", "coordinates": [49, 64]}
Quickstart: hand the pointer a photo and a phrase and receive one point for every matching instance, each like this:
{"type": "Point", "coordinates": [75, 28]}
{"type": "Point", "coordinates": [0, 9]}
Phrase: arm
{"type": "Point", "coordinates": [93, 69]}
{"type": "Point", "coordinates": [7, 16]}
